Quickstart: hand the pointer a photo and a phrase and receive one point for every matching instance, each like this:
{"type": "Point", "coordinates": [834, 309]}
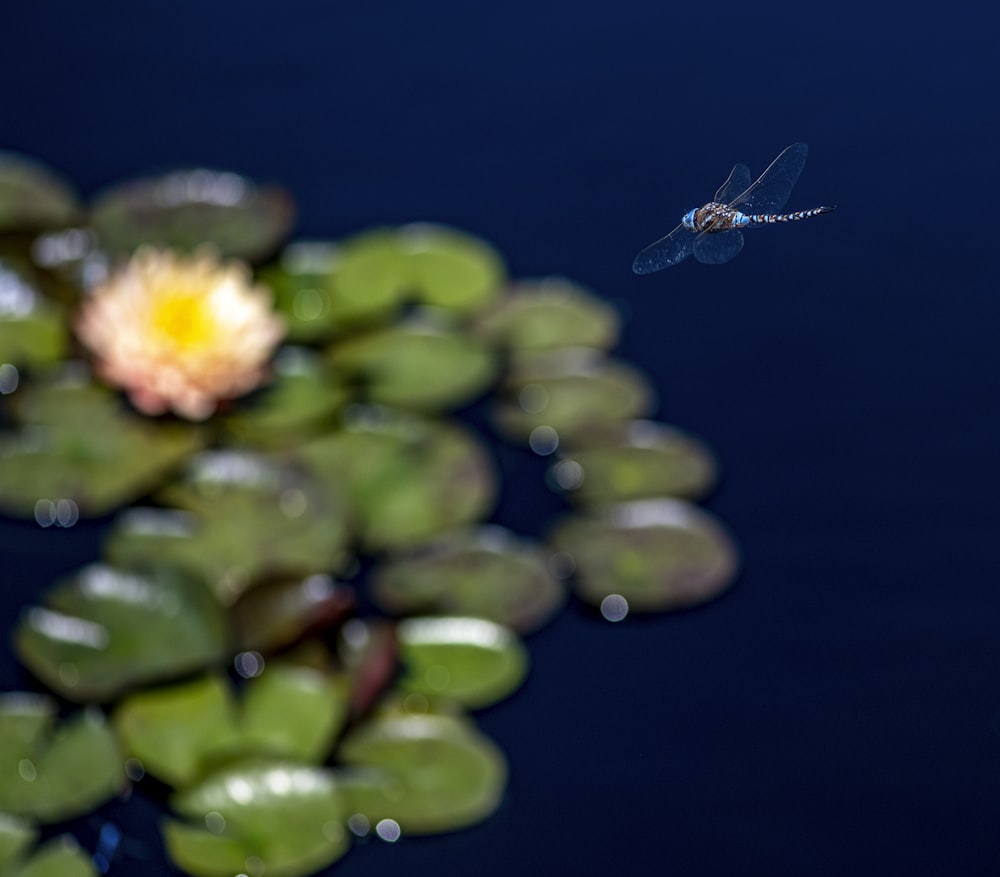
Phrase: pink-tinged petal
{"type": "Point", "coordinates": [180, 332]}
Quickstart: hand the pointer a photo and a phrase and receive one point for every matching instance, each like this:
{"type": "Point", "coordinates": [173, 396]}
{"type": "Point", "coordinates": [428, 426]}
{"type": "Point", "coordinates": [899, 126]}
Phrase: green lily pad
{"type": "Point", "coordinates": [60, 857]}
{"type": "Point", "coordinates": [247, 517]}
{"type": "Point", "coordinates": [548, 314]}
{"type": "Point", "coordinates": [299, 403]}
{"type": "Point", "coordinates": [635, 460]}
{"type": "Point", "coordinates": [471, 660]}
{"type": "Point", "coordinates": [178, 731]}
{"type": "Point", "coordinates": [407, 478]}
{"type": "Point", "coordinates": [186, 209]}
{"type": "Point", "coordinates": [50, 773]}
{"type": "Point", "coordinates": [32, 196]}
{"type": "Point", "coordinates": [416, 365]}
{"type": "Point", "coordinates": [294, 711]}
{"type": "Point", "coordinates": [32, 329]}
{"type": "Point", "coordinates": [449, 269]}
{"type": "Point", "coordinates": [16, 834]}
{"type": "Point", "coordinates": [486, 572]}
{"type": "Point", "coordinates": [429, 773]}
{"type": "Point", "coordinates": [437, 266]}
{"type": "Point", "coordinates": [658, 554]}
{"type": "Point", "coordinates": [304, 294]}
{"type": "Point", "coordinates": [78, 444]}
{"type": "Point", "coordinates": [280, 612]}
{"type": "Point", "coordinates": [105, 630]}
{"type": "Point", "coordinates": [258, 817]}
{"type": "Point", "coordinates": [570, 391]}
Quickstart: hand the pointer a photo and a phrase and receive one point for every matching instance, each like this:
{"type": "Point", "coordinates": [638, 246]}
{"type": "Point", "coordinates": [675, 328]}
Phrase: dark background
{"type": "Point", "coordinates": [838, 712]}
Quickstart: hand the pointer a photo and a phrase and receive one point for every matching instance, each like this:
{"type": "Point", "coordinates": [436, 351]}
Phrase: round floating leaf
{"type": "Point", "coordinates": [449, 269]}
{"type": "Point", "coordinates": [300, 401]}
{"type": "Point", "coordinates": [177, 731]}
{"type": "Point", "coordinates": [51, 773]}
{"type": "Point", "coordinates": [408, 478]}
{"type": "Point", "coordinates": [80, 445]}
{"type": "Point", "coordinates": [105, 630]}
{"type": "Point", "coordinates": [550, 313]}
{"type": "Point", "coordinates": [277, 818]}
{"type": "Point", "coordinates": [60, 857]}
{"type": "Point", "coordinates": [657, 554]}
{"type": "Point", "coordinates": [16, 835]}
{"type": "Point", "coordinates": [471, 660]}
{"type": "Point", "coordinates": [248, 517]}
{"type": "Point", "coordinates": [570, 391]}
{"type": "Point", "coordinates": [32, 329]}
{"type": "Point", "coordinates": [416, 365]}
{"type": "Point", "coordinates": [277, 613]}
{"type": "Point", "coordinates": [485, 572]}
{"type": "Point", "coordinates": [185, 209]}
{"type": "Point", "coordinates": [302, 282]}
{"type": "Point", "coordinates": [32, 196]}
{"type": "Point", "coordinates": [636, 460]}
{"type": "Point", "coordinates": [432, 264]}
{"type": "Point", "coordinates": [430, 773]}
{"type": "Point", "coordinates": [294, 711]}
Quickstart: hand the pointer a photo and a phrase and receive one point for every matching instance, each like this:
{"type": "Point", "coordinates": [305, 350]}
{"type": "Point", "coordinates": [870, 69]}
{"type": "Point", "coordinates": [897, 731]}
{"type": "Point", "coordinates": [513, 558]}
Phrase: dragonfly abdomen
{"type": "Point", "coordinates": [770, 218]}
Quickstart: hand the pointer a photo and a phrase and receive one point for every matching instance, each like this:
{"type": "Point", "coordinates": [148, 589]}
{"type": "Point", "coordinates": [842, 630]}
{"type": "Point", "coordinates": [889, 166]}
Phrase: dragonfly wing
{"type": "Point", "coordinates": [770, 193]}
{"type": "Point", "coordinates": [737, 184]}
{"type": "Point", "coordinates": [667, 251]}
{"type": "Point", "coordinates": [714, 248]}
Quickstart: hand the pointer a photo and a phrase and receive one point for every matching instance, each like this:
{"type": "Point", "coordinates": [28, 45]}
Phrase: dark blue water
{"type": "Point", "coordinates": [838, 713]}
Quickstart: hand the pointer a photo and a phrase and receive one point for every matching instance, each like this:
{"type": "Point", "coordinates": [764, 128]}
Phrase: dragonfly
{"type": "Point", "coordinates": [713, 233]}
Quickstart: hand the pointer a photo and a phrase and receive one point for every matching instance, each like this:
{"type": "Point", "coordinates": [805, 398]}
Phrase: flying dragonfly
{"type": "Point", "coordinates": [712, 233]}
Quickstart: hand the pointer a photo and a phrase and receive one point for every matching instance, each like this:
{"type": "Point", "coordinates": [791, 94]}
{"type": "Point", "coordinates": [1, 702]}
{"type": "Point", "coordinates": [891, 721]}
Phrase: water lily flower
{"type": "Point", "coordinates": [180, 332]}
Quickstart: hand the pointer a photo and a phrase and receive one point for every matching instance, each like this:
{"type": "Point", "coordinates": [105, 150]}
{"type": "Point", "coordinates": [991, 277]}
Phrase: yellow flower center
{"type": "Point", "coordinates": [184, 319]}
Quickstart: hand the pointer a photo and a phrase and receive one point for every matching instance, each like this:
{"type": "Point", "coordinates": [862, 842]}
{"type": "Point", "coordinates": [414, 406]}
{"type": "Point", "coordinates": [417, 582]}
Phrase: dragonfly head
{"type": "Point", "coordinates": [688, 220]}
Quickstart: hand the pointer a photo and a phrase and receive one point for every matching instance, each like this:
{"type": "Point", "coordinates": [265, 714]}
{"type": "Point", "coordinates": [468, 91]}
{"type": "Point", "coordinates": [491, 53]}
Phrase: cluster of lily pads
{"type": "Point", "coordinates": [218, 645]}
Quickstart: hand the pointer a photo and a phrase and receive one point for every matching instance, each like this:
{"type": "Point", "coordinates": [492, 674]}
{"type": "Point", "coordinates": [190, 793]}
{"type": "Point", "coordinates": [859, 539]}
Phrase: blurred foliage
{"type": "Point", "coordinates": [231, 659]}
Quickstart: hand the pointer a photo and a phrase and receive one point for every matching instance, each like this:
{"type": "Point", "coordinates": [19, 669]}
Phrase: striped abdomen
{"type": "Point", "coordinates": [769, 218]}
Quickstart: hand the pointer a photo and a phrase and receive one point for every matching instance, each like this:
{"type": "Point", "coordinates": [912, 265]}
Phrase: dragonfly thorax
{"type": "Point", "coordinates": [713, 217]}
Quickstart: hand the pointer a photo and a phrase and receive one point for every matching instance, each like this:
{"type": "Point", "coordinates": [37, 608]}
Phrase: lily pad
{"type": "Point", "coordinates": [407, 478]}
{"type": "Point", "coordinates": [300, 402]}
{"type": "Point", "coordinates": [429, 773]}
{"type": "Point", "coordinates": [548, 314]}
{"type": "Point", "coordinates": [657, 554]}
{"type": "Point", "coordinates": [258, 817]}
{"type": "Point", "coordinates": [78, 444]}
{"type": "Point", "coordinates": [178, 731]}
{"type": "Point", "coordinates": [105, 630]}
{"type": "Point", "coordinates": [416, 365]}
{"type": "Point", "coordinates": [435, 265]}
{"type": "Point", "coordinates": [186, 209]}
{"type": "Point", "coordinates": [181, 732]}
{"type": "Point", "coordinates": [32, 196]}
{"type": "Point", "coordinates": [60, 857]}
{"type": "Point", "coordinates": [50, 773]}
{"type": "Point", "coordinates": [279, 612]}
{"type": "Point", "coordinates": [16, 835]}
{"type": "Point", "coordinates": [294, 711]}
{"type": "Point", "coordinates": [635, 460]}
{"type": "Point", "coordinates": [247, 517]}
{"type": "Point", "coordinates": [486, 572]}
{"type": "Point", "coordinates": [304, 293]}
{"type": "Point", "coordinates": [570, 391]}
{"type": "Point", "coordinates": [471, 660]}
{"type": "Point", "coordinates": [32, 329]}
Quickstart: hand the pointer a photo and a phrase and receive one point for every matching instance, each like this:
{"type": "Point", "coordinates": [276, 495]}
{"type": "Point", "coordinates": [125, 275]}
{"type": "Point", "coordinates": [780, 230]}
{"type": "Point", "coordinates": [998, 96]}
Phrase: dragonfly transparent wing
{"type": "Point", "coordinates": [714, 248]}
{"type": "Point", "coordinates": [770, 193]}
{"type": "Point", "coordinates": [737, 184]}
{"type": "Point", "coordinates": [667, 251]}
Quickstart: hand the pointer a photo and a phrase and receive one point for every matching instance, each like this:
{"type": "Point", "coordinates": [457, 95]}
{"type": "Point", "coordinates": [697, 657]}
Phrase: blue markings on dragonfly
{"type": "Point", "coordinates": [712, 233]}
